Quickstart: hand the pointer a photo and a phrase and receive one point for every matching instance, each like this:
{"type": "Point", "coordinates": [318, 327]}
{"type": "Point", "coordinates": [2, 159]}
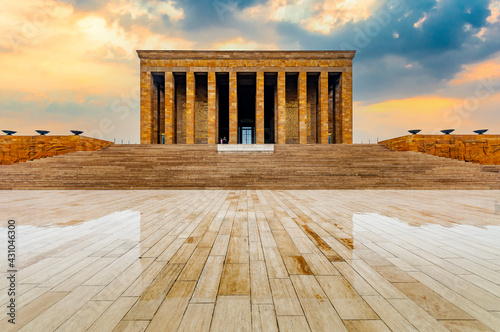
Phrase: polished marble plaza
{"type": "Point", "coordinates": [270, 260]}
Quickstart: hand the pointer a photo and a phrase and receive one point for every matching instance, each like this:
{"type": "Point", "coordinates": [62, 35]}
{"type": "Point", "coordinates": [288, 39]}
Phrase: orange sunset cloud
{"type": "Point", "coordinates": [73, 63]}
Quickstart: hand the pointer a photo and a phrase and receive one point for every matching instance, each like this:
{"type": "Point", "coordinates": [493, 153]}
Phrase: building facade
{"type": "Point", "coordinates": [282, 97]}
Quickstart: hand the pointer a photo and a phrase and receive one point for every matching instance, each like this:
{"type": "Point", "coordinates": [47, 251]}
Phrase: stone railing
{"type": "Point", "coordinates": [15, 149]}
{"type": "Point", "coordinates": [481, 149]}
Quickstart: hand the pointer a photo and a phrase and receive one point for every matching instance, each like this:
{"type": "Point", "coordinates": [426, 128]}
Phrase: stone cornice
{"type": "Point", "coordinates": [227, 55]}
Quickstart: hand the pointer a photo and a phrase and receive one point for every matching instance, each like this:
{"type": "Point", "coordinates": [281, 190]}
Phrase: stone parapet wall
{"type": "Point", "coordinates": [15, 149]}
{"type": "Point", "coordinates": [480, 149]}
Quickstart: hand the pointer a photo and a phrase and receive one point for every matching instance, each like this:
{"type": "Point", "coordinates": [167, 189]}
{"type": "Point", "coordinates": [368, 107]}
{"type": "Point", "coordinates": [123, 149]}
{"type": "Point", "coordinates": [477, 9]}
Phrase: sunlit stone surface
{"type": "Point", "coordinates": [218, 260]}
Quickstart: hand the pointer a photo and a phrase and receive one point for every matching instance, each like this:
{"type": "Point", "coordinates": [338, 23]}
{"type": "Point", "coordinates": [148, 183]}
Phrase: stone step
{"type": "Point", "coordinates": [288, 167]}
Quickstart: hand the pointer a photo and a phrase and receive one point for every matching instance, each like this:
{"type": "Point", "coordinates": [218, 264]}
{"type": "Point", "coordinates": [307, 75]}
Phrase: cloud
{"type": "Point", "coordinates": [242, 44]}
{"type": "Point", "coordinates": [154, 15]}
{"type": "Point", "coordinates": [453, 34]}
{"type": "Point", "coordinates": [205, 14]}
{"type": "Point", "coordinates": [477, 71]}
{"type": "Point", "coordinates": [105, 116]}
{"type": "Point", "coordinates": [430, 113]}
{"type": "Point", "coordinates": [91, 103]}
{"type": "Point", "coordinates": [495, 12]}
{"type": "Point", "coordinates": [86, 5]}
{"type": "Point", "coordinates": [467, 103]}
{"type": "Point", "coordinates": [56, 55]}
{"type": "Point", "coordinates": [393, 118]}
{"type": "Point", "coordinates": [28, 23]}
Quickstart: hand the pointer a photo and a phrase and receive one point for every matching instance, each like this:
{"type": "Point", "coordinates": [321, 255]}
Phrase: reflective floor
{"type": "Point", "coordinates": [221, 260]}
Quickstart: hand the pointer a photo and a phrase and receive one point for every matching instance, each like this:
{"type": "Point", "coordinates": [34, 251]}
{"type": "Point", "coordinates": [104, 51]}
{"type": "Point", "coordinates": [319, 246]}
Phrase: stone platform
{"type": "Point", "coordinates": [188, 166]}
{"type": "Point", "coordinates": [254, 260]}
{"type": "Point", "coordinates": [245, 148]}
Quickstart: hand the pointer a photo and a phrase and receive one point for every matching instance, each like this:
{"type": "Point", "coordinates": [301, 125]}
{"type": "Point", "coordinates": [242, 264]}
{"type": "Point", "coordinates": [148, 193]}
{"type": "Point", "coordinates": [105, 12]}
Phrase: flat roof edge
{"type": "Point", "coordinates": [257, 54]}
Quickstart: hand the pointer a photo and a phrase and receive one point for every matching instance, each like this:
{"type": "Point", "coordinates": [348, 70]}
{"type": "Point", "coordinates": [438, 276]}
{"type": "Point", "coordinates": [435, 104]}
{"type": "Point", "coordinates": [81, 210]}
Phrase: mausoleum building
{"type": "Point", "coordinates": [281, 97]}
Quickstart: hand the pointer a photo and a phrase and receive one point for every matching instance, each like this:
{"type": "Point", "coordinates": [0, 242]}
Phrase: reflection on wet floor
{"type": "Point", "coordinates": [220, 260]}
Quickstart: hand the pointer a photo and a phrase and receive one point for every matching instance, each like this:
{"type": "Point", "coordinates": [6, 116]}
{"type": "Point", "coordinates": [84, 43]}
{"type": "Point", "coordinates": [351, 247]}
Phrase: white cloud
{"type": "Point", "coordinates": [314, 15]}
{"type": "Point", "coordinates": [481, 34]}
{"type": "Point", "coordinates": [152, 9]}
{"type": "Point", "coordinates": [240, 43]}
{"type": "Point", "coordinates": [495, 12]}
{"type": "Point", "coordinates": [418, 24]}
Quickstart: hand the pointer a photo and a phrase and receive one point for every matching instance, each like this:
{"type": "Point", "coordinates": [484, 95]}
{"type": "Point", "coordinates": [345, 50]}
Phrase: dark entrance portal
{"type": "Point", "coordinates": [246, 108]}
{"type": "Point", "coordinates": [223, 105]}
{"type": "Point", "coordinates": [270, 86]}
{"type": "Point", "coordinates": [157, 105]}
{"type": "Point", "coordinates": [247, 135]}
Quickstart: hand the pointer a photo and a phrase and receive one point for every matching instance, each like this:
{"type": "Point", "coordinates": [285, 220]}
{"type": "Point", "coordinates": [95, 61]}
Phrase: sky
{"type": "Point", "coordinates": [420, 64]}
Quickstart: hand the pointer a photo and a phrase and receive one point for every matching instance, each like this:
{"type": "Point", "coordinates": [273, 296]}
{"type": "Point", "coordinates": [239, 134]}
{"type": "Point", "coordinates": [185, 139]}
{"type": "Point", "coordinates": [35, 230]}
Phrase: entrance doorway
{"type": "Point", "coordinates": [247, 135]}
{"type": "Point", "coordinates": [246, 108]}
{"type": "Point", "coordinates": [270, 86]}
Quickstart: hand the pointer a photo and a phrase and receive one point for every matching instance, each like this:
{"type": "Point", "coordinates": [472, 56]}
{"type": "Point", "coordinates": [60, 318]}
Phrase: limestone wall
{"type": "Point", "coordinates": [481, 149]}
{"type": "Point", "coordinates": [180, 90]}
{"type": "Point", "coordinates": [312, 105]}
{"type": "Point", "coordinates": [292, 110]}
{"type": "Point", "coordinates": [15, 149]}
{"type": "Point", "coordinates": [201, 111]}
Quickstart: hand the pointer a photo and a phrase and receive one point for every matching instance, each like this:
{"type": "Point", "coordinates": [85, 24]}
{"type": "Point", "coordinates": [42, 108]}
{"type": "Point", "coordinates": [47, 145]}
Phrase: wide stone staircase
{"type": "Point", "coordinates": [359, 166]}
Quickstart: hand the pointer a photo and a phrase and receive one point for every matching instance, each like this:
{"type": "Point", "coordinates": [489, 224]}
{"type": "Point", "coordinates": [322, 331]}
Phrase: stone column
{"type": "Point", "coordinates": [281, 108]}
{"type": "Point", "coordinates": [146, 111]}
{"type": "Point", "coordinates": [259, 108]}
{"type": "Point", "coordinates": [323, 107]}
{"type": "Point", "coordinates": [190, 93]}
{"type": "Point", "coordinates": [212, 116]}
{"type": "Point", "coordinates": [346, 106]}
{"type": "Point", "coordinates": [338, 112]}
{"type": "Point", "coordinates": [233, 108]}
{"type": "Point", "coordinates": [303, 107]}
{"type": "Point", "coordinates": [169, 108]}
